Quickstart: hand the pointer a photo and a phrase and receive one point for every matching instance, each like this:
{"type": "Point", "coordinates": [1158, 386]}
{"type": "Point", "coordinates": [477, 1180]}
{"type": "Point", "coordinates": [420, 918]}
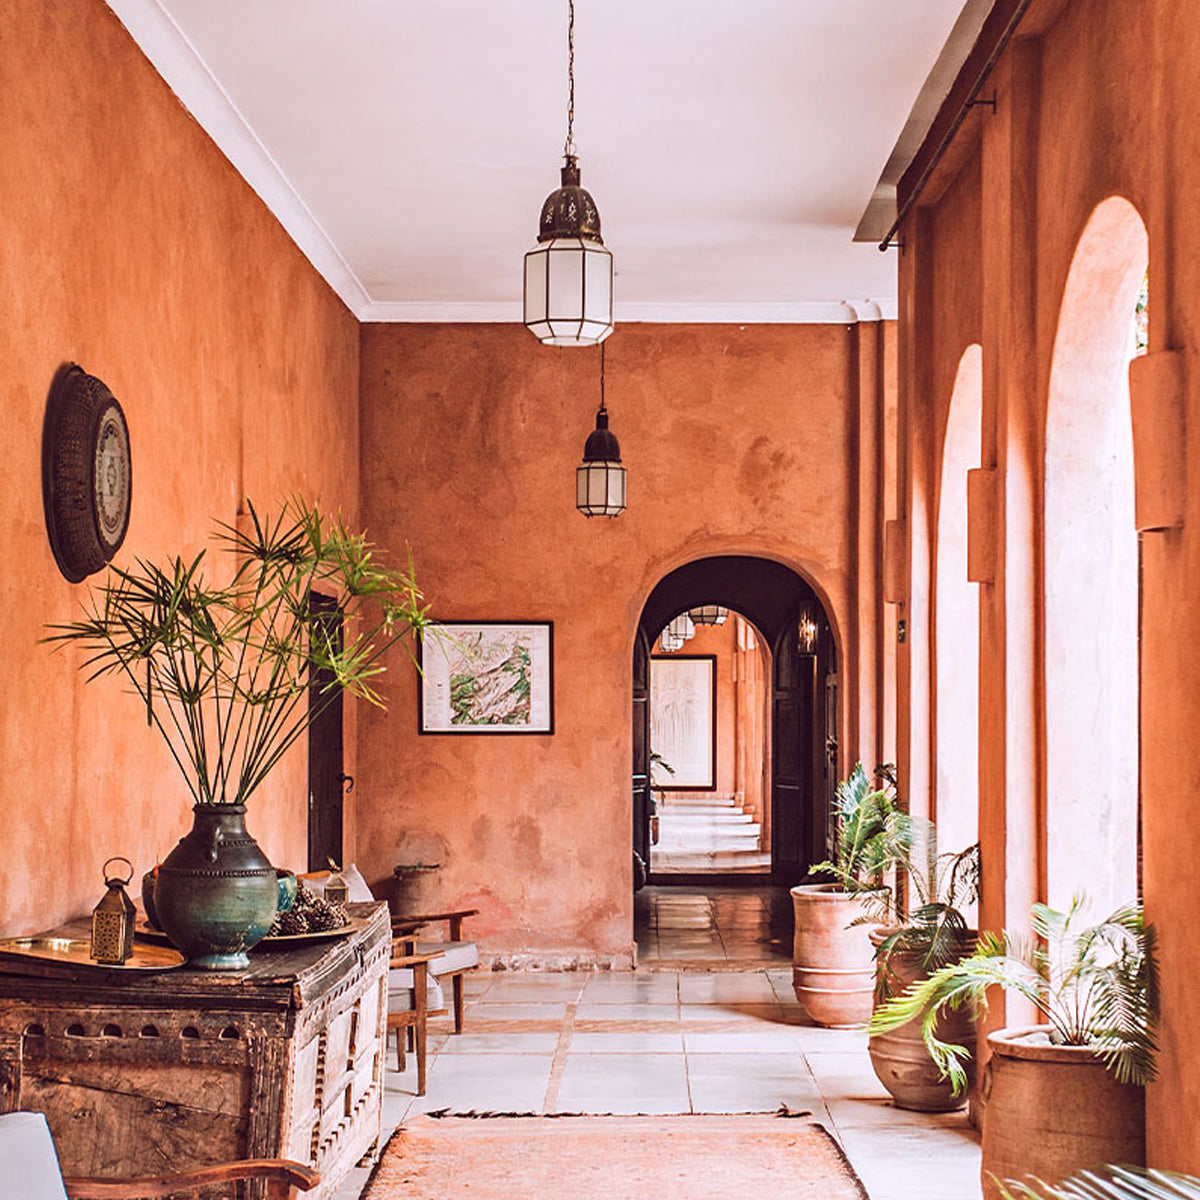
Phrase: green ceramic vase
{"type": "Point", "coordinates": [216, 892]}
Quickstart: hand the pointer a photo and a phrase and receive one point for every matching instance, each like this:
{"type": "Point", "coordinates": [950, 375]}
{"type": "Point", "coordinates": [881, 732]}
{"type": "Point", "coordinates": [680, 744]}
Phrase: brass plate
{"type": "Point", "coordinates": [77, 953]}
{"type": "Point", "coordinates": [145, 930]}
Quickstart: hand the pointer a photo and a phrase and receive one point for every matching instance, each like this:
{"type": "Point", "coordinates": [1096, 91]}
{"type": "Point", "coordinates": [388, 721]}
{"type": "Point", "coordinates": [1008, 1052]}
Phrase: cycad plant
{"type": "Point", "coordinates": [1096, 986]}
{"type": "Point", "coordinates": [934, 932]}
{"type": "Point", "coordinates": [873, 834]}
{"type": "Point", "coordinates": [224, 670]}
{"type": "Point", "coordinates": [1110, 1183]}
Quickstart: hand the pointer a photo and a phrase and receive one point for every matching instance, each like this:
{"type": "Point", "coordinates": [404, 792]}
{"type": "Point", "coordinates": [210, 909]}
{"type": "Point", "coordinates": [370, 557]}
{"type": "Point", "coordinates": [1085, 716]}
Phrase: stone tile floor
{"type": "Point", "coordinates": [744, 926]}
{"type": "Point", "coordinates": [683, 1040]}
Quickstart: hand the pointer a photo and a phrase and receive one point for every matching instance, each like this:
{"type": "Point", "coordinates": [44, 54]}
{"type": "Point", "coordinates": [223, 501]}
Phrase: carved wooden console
{"type": "Point", "coordinates": [142, 1074]}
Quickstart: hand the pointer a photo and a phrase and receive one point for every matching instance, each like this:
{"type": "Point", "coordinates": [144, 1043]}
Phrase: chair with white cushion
{"type": "Point", "coordinates": [455, 957]}
{"type": "Point", "coordinates": [412, 993]}
{"type": "Point", "coordinates": [31, 1172]}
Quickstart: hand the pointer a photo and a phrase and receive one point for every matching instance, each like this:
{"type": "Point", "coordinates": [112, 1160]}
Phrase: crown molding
{"type": "Point", "coordinates": [187, 75]}
{"type": "Point", "coordinates": [665, 313]}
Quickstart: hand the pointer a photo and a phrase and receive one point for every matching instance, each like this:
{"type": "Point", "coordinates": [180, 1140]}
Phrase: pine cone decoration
{"type": "Point", "coordinates": [289, 923]}
{"type": "Point", "coordinates": [323, 916]}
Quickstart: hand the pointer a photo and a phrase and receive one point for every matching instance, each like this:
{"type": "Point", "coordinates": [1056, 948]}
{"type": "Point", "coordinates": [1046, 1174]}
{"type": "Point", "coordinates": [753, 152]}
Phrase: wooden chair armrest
{"type": "Point", "coordinates": [412, 960]}
{"type": "Point", "coordinates": [429, 918]}
{"type": "Point", "coordinates": [280, 1170]}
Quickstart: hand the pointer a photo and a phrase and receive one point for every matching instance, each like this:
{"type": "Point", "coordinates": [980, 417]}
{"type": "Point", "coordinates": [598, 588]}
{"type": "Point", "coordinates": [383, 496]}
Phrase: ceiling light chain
{"type": "Point", "coordinates": [569, 144]}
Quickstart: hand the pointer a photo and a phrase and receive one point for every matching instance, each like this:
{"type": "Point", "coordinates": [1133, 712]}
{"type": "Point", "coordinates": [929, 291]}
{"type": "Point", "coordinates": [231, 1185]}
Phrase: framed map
{"type": "Point", "coordinates": [487, 677]}
{"type": "Point", "coordinates": [683, 719]}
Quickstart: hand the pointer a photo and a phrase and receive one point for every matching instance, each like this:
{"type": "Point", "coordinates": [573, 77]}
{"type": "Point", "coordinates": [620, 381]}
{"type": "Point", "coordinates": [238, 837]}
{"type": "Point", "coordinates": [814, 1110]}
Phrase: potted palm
{"type": "Point", "coordinates": [933, 934]}
{"type": "Point", "coordinates": [1110, 1183]}
{"type": "Point", "coordinates": [833, 960]}
{"type": "Point", "coordinates": [223, 671]}
{"type": "Point", "coordinates": [1066, 1095]}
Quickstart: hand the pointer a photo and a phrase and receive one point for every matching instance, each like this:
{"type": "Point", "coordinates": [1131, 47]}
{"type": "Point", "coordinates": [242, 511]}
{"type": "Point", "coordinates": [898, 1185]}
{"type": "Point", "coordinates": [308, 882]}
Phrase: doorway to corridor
{"type": "Point", "coordinates": [734, 758]}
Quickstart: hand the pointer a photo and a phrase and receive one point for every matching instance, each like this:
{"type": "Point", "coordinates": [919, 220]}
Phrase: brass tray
{"type": "Point", "coordinates": [76, 952]}
{"type": "Point", "coordinates": [145, 930]}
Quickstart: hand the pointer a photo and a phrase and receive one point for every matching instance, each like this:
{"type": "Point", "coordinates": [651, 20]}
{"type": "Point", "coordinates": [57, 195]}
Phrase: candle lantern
{"type": "Point", "coordinates": [113, 917]}
{"type": "Point", "coordinates": [336, 891]}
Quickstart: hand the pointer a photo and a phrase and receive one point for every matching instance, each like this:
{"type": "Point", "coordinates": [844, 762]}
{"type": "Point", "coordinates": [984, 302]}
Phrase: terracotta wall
{"type": "Point", "coordinates": [132, 247]}
{"type": "Point", "coordinates": [738, 440]}
{"type": "Point", "coordinates": [1096, 98]}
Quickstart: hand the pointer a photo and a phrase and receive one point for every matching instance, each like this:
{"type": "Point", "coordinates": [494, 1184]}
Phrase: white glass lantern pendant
{"type": "Point", "coordinates": [600, 478]}
{"type": "Point", "coordinates": [668, 643]}
{"type": "Point", "coordinates": [709, 614]}
{"type": "Point", "coordinates": [682, 627]}
{"type": "Point", "coordinates": [569, 273]}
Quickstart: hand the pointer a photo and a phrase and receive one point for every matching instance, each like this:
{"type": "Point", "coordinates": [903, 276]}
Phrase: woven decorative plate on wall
{"type": "Point", "coordinates": [87, 473]}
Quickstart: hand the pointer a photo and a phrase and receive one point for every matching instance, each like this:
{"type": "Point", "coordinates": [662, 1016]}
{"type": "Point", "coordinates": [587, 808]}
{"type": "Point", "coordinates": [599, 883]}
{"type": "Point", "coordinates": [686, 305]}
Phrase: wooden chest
{"type": "Point", "coordinates": [144, 1074]}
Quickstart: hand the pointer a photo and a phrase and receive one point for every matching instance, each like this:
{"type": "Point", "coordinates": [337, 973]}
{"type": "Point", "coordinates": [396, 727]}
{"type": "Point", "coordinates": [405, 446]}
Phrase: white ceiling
{"type": "Point", "coordinates": [731, 147]}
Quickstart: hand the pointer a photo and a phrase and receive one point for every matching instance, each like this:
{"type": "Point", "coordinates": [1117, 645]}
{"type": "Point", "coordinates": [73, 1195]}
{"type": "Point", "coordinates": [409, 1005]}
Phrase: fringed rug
{"type": "Point", "coordinates": [693, 1157]}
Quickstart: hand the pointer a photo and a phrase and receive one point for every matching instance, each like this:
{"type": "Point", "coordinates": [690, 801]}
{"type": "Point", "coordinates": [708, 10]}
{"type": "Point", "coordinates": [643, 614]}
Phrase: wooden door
{"type": "Point", "coordinates": [641, 747]}
{"type": "Point", "coordinates": [326, 772]}
{"type": "Point", "coordinates": [792, 702]}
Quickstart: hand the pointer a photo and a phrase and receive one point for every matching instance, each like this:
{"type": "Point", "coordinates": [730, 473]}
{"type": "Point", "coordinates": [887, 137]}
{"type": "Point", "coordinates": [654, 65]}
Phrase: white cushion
{"type": "Point", "coordinates": [28, 1159]}
{"type": "Point", "coordinates": [454, 956]}
{"type": "Point", "coordinates": [356, 886]}
{"type": "Point", "coordinates": [402, 997]}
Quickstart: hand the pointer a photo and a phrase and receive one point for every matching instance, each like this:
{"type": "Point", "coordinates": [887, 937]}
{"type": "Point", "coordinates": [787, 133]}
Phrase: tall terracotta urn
{"type": "Point", "coordinates": [1052, 1110]}
{"type": "Point", "coordinates": [902, 1063]}
{"type": "Point", "coordinates": [833, 961]}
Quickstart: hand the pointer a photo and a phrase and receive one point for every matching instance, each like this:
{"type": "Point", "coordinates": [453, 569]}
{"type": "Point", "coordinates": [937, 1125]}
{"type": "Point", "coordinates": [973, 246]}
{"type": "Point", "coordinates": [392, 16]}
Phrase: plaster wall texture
{"type": "Point", "coordinates": [1100, 103]}
{"type": "Point", "coordinates": [132, 247]}
{"type": "Point", "coordinates": [738, 440]}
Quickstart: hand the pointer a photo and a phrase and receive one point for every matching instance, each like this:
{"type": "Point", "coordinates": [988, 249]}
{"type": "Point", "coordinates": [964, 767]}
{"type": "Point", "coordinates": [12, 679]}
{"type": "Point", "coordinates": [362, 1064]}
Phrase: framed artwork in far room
{"type": "Point", "coordinates": [488, 677]}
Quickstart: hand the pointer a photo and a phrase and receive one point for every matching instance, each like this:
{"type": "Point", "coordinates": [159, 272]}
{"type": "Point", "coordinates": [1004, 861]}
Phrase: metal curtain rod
{"type": "Point", "coordinates": [944, 144]}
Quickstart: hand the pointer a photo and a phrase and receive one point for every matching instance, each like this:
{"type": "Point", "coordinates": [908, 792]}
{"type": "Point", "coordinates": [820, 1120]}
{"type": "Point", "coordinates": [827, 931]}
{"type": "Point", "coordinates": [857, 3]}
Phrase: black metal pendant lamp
{"type": "Point", "coordinates": [709, 614]}
{"type": "Point", "coordinates": [569, 273]}
{"type": "Point", "coordinates": [600, 478]}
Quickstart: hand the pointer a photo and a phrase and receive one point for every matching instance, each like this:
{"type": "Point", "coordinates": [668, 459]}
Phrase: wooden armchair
{"type": "Point", "coordinates": [409, 991]}
{"type": "Point", "coordinates": [30, 1163]}
{"type": "Point", "coordinates": [454, 956]}
{"type": "Point", "coordinates": [283, 1180]}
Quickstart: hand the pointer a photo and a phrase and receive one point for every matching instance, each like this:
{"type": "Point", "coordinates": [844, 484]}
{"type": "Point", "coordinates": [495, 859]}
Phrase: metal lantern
{"type": "Point", "coordinates": [113, 918]}
{"type": "Point", "coordinates": [569, 273]}
{"type": "Point", "coordinates": [682, 628]}
{"type": "Point", "coordinates": [807, 632]}
{"type": "Point", "coordinates": [600, 478]}
{"type": "Point", "coordinates": [709, 614]}
{"type": "Point", "coordinates": [668, 642]}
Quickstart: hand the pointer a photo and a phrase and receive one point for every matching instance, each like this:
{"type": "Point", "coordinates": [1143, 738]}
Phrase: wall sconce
{"type": "Point", "coordinates": [807, 632]}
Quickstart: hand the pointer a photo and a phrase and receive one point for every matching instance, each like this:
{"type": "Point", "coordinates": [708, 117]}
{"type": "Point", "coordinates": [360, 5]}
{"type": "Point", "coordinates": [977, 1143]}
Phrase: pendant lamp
{"type": "Point", "coordinates": [682, 627]}
{"type": "Point", "coordinates": [709, 614]}
{"type": "Point", "coordinates": [668, 643]}
{"type": "Point", "coordinates": [600, 478]}
{"type": "Point", "coordinates": [569, 273]}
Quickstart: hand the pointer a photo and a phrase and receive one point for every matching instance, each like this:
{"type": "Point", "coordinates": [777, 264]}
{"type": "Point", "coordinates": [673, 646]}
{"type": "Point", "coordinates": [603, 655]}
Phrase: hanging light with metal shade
{"type": "Point", "coordinates": [569, 273]}
{"type": "Point", "coordinates": [600, 478]}
{"type": "Point", "coordinates": [668, 642]}
{"type": "Point", "coordinates": [709, 614]}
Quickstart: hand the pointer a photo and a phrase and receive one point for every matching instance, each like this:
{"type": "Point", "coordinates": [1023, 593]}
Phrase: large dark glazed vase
{"type": "Point", "coordinates": [216, 892]}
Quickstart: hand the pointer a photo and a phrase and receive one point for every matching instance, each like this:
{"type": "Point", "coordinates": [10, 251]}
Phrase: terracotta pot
{"type": "Point", "coordinates": [417, 890]}
{"type": "Point", "coordinates": [899, 1057]}
{"type": "Point", "coordinates": [833, 963]}
{"type": "Point", "coordinates": [1052, 1110]}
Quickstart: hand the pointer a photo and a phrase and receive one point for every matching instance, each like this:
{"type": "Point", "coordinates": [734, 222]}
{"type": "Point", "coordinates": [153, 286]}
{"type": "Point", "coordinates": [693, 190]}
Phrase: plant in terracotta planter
{"type": "Point", "coordinates": [223, 671]}
{"type": "Point", "coordinates": [1066, 1095]}
{"type": "Point", "coordinates": [1109, 1183]}
{"type": "Point", "coordinates": [933, 934]}
{"type": "Point", "coordinates": [833, 961]}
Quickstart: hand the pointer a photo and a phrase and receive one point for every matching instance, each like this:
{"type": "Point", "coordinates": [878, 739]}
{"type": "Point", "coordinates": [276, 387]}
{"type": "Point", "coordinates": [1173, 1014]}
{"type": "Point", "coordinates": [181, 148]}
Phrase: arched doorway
{"type": "Point", "coordinates": [785, 609]}
{"type": "Point", "coordinates": [1091, 571]}
{"type": "Point", "coordinates": [957, 618]}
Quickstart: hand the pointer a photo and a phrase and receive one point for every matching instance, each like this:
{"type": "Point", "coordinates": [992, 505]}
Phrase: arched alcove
{"type": "Point", "coordinates": [956, 618]}
{"type": "Point", "coordinates": [1091, 571]}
